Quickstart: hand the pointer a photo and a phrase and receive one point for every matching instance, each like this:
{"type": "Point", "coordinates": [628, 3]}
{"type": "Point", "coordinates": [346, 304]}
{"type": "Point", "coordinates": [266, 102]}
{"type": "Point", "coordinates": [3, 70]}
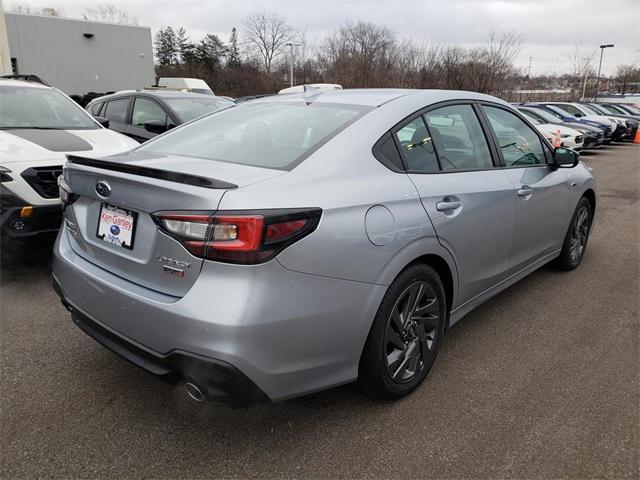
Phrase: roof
{"type": "Point", "coordinates": [10, 82]}
{"type": "Point", "coordinates": [374, 97]}
{"type": "Point", "coordinates": [70, 19]}
{"type": "Point", "coordinates": [157, 93]}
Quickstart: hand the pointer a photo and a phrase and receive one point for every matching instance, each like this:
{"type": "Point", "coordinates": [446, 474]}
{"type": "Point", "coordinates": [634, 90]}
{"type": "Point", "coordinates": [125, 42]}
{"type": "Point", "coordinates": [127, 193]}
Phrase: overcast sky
{"type": "Point", "coordinates": [551, 29]}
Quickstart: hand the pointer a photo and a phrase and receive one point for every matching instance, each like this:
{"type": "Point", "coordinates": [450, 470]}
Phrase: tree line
{"type": "Point", "coordinates": [256, 59]}
{"type": "Point", "coordinates": [357, 54]}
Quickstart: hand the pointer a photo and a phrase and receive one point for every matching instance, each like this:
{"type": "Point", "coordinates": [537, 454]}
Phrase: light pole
{"type": "Point", "coordinates": [586, 73]}
{"type": "Point", "coordinates": [291, 45]}
{"type": "Point", "coordinates": [602, 47]}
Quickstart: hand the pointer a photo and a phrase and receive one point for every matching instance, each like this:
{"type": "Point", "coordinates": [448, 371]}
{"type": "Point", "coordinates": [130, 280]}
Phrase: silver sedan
{"type": "Point", "coordinates": [298, 242]}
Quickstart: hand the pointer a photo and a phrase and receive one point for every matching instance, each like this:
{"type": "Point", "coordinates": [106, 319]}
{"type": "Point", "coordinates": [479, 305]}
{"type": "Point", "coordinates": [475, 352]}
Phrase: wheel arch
{"type": "Point", "coordinates": [443, 270]}
{"type": "Point", "coordinates": [591, 196]}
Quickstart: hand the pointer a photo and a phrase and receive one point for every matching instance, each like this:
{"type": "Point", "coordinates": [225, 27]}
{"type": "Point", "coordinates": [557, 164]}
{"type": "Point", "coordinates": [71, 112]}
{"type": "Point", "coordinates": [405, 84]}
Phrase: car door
{"type": "Point", "coordinates": [147, 110]}
{"type": "Point", "coordinates": [542, 192]}
{"type": "Point", "coordinates": [469, 201]}
{"type": "Point", "coordinates": [116, 111]}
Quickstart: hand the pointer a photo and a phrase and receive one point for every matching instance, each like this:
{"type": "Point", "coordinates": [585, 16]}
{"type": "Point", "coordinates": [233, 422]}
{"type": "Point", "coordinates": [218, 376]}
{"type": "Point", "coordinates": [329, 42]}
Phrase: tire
{"type": "Point", "coordinates": [575, 240]}
{"type": "Point", "coordinates": [403, 341]}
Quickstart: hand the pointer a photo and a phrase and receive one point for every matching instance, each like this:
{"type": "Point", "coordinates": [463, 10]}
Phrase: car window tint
{"type": "Point", "coordinates": [116, 110]}
{"type": "Point", "coordinates": [145, 110]}
{"type": "Point", "coordinates": [458, 138]}
{"type": "Point", "coordinates": [417, 147]}
{"type": "Point", "coordinates": [390, 152]}
{"type": "Point", "coordinates": [95, 109]}
{"type": "Point", "coordinates": [520, 145]}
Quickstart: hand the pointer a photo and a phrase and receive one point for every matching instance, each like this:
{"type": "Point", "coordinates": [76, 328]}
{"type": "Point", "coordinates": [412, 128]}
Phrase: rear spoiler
{"type": "Point", "coordinates": [168, 175]}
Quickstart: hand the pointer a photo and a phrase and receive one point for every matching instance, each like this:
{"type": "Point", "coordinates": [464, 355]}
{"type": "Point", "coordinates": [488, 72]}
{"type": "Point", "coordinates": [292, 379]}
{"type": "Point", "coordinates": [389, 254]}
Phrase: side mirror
{"type": "Point", "coordinates": [102, 121]}
{"type": "Point", "coordinates": [578, 114]}
{"type": "Point", "coordinates": [565, 157]}
{"type": "Point", "coordinates": [155, 126]}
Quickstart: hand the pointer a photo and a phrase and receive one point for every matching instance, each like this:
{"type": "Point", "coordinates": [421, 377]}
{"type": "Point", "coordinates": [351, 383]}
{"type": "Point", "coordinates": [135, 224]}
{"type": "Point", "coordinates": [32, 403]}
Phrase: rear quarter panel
{"type": "Point", "coordinates": [345, 180]}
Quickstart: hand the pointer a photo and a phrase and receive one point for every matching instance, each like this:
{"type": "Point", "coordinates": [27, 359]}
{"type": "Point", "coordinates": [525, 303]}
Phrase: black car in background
{"type": "Point", "coordinates": [143, 114]}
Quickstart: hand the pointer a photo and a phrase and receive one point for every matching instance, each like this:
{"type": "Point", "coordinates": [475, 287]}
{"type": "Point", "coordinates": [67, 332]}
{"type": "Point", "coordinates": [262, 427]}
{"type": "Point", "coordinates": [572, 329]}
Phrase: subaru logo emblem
{"type": "Point", "coordinates": [115, 229]}
{"type": "Point", "coordinates": [103, 189]}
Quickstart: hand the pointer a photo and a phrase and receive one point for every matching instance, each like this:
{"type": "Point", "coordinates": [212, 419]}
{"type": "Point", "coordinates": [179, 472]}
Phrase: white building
{"type": "Point", "coordinates": [77, 56]}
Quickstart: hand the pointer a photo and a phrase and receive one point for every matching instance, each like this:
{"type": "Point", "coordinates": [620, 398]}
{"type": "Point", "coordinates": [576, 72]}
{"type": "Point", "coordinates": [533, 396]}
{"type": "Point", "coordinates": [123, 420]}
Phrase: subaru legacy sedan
{"type": "Point", "coordinates": [295, 243]}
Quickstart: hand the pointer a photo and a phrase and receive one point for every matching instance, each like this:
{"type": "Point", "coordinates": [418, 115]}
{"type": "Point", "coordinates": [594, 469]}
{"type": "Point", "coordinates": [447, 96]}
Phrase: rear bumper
{"type": "Point", "coordinates": [287, 333]}
{"type": "Point", "coordinates": [42, 225]}
{"type": "Point", "coordinates": [217, 379]}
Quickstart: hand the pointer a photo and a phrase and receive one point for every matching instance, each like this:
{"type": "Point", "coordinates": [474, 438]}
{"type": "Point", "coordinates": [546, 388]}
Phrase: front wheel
{"type": "Point", "coordinates": [575, 241]}
{"type": "Point", "coordinates": [405, 335]}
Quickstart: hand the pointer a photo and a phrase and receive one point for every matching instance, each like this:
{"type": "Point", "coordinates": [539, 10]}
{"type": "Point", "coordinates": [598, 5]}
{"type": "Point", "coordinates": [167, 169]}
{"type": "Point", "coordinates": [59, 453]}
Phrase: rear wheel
{"type": "Point", "coordinates": [575, 241]}
{"type": "Point", "coordinates": [404, 339]}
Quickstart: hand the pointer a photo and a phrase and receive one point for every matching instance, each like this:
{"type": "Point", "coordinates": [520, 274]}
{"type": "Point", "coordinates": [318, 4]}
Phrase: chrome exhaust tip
{"type": "Point", "coordinates": [194, 392]}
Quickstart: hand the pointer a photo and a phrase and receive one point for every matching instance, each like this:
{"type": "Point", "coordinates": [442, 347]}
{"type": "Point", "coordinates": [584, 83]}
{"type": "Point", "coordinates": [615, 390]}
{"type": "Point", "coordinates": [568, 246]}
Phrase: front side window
{"type": "Point", "coordinates": [190, 108]}
{"type": "Point", "coordinates": [95, 109]}
{"type": "Point", "coordinates": [519, 144]}
{"type": "Point", "coordinates": [145, 110]}
{"type": "Point", "coordinates": [268, 135]}
{"type": "Point", "coordinates": [417, 147]}
{"type": "Point", "coordinates": [531, 118]}
{"type": "Point", "coordinates": [459, 141]}
{"type": "Point", "coordinates": [613, 110]}
{"type": "Point", "coordinates": [43, 108]}
{"type": "Point", "coordinates": [591, 110]}
{"type": "Point", "coordinates": [571, 109]}
{"type": "Point", "coordinates": [542, 115]}
{"type": "Point", "coordinates": [631, 109]}
{"type": "Point", "coordinates": [116, 110]}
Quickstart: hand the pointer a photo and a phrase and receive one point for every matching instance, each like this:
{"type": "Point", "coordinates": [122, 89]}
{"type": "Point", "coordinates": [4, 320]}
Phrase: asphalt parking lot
{"type": "Point", "coordinates": [540, 382]}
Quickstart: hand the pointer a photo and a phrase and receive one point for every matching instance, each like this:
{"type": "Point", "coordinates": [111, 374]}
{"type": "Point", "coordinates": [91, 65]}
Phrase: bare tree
{"type": "Point", "coordinates": [359, 54]}
{"type": "Point", "coordinates": [108, 13]}
{"type": "Point", "coordinates": [267, 34]}
{"type": "Point", "coordinates": [626, 74]}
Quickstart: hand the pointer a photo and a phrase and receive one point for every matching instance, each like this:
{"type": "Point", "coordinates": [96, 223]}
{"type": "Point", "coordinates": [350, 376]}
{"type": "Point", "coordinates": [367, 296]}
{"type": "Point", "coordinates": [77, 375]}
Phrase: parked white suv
{"type": "Point", "coordinates": [39, 125]}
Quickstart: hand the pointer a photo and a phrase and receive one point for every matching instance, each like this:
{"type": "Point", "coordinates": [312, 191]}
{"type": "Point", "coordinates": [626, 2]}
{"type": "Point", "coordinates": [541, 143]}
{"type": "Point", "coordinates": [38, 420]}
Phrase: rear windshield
{"type": "Point", "coordinates": [267, 135]}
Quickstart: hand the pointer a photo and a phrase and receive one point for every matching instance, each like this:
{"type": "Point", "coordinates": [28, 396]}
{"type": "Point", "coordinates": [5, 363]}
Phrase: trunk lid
{"type": "Point", "coordinates": [144, 184]}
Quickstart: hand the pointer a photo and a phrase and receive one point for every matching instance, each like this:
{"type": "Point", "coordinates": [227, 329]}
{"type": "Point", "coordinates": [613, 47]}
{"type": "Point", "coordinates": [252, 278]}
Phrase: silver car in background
{"type": "Point", "coordinates": [294, 243]}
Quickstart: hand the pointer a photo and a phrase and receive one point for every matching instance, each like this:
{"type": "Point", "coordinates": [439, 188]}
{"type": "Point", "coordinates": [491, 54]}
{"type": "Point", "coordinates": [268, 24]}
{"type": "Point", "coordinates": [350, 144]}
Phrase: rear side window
{"type": "Point", "coordinates": [116, 110]}
{"type": "Point", "coordinates": [267, 135]}
{"type": "Point", "coordinates": [519, 144]}
{"type": "Point", "coordinates": [459, 141]}
{"type": "Point", "coordinates": [417, 147]}
{"type": "Point", "coordinates": [387, 153]}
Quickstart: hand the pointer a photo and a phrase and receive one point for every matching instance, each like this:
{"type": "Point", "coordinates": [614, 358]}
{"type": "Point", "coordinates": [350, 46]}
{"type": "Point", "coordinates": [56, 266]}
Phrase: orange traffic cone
{"type": "Point", "coordinates": [557, 141]}
{"type": "Point", "coordinates": [637, 137]}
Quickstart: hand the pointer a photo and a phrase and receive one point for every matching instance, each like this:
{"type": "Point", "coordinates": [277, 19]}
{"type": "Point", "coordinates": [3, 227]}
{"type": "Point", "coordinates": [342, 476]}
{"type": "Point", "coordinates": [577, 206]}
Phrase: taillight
{"type": "Point", "coordinates": [245, 237]}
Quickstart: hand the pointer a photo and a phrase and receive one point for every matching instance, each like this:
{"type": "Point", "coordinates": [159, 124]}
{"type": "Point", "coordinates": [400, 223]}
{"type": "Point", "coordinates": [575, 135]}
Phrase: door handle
{"type": "Point", "coordinates": [448, 203]}
{"type": "Point", "coordinates": [525, 191]}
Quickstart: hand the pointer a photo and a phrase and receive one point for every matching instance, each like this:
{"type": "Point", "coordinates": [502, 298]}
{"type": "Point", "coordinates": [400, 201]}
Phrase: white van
{"type": "Point", "coordinates": [317, 86]}
{"type": "Point", "coordinates": [195, 85]}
